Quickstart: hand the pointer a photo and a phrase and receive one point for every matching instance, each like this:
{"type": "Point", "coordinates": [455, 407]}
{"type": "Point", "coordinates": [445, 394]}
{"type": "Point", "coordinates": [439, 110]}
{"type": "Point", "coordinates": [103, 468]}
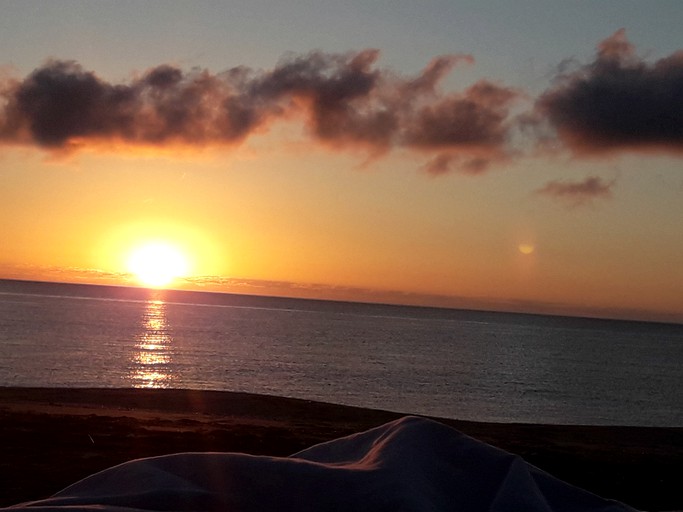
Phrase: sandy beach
{"type": "Point", "coordinates": [54, 437]}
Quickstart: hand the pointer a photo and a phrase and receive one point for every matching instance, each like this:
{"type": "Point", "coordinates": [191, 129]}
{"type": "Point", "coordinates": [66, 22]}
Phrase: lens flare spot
{"type": "Point", "coordinates": [526, 248]}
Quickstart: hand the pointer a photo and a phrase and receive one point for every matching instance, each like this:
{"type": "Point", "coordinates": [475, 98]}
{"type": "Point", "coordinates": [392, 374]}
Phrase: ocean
{"type": "Point", "coordinates": [469, 365]}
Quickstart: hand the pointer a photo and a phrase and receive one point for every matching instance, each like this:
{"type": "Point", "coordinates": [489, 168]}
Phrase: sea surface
{"type": "Point", "coordinates": [480, 366]}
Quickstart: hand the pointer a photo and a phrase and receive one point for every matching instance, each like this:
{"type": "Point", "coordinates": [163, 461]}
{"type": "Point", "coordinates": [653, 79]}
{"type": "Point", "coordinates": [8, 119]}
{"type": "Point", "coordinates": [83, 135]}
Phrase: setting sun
{"type": "Point", "coordinates": [157, 264]}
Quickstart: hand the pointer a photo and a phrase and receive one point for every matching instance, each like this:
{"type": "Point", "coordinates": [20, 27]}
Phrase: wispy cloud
{"type": "Point", "coordinates": [618, 102]}
{"type": "Point", "coordinates": [59, 273]}
{"type": "Point", "coordinates": [470, 164]}
{"type": "Point", "coordinates": [577, 193]}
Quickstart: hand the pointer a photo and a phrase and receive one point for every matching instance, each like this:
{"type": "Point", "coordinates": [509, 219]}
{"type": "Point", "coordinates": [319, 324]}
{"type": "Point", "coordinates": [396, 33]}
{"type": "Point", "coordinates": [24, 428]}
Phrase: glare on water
{"type": "Point", "coordinates": [479, 366]}
{"type": "Point", "coordinates": [153, 349]}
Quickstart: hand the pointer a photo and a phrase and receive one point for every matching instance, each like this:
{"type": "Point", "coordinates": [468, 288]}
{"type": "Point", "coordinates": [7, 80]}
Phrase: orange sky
{"type": "Point", "coordinates": [356, 180]}
{"type": "Point", "coordinates": [291, 224]}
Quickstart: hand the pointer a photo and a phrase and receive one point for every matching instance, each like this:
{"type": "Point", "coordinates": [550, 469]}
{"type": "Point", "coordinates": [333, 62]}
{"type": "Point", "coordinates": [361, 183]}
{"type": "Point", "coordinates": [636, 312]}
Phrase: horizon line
{"type": "Point", "coordinates": [392, 298]}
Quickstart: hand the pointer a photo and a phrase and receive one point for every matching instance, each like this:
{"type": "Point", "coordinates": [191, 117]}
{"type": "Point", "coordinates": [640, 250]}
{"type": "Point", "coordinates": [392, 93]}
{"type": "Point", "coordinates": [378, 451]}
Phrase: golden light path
{"type": "Point", "coordinates": [154, 351]}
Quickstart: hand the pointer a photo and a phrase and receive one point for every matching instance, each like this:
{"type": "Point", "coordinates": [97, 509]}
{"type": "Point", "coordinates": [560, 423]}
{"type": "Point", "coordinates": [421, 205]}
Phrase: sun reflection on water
{"type": "Point", "coordinates": [153, 349]}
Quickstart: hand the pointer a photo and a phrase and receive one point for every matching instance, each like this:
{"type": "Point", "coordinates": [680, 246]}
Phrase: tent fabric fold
{"type": "Point", "coordinates": [412, 464]}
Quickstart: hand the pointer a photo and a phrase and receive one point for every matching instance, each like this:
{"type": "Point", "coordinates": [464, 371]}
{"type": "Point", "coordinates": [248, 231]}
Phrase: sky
{"type": "Point", "coordinates": [517, 156]}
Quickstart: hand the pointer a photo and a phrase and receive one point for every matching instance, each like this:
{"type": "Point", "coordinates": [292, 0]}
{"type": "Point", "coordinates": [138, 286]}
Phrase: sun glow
{"type": "Point", "coordinates": [157, 264]}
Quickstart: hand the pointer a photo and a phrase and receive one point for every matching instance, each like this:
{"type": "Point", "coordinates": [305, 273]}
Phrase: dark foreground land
{"type": "Point", "coordinates": [50, 438]}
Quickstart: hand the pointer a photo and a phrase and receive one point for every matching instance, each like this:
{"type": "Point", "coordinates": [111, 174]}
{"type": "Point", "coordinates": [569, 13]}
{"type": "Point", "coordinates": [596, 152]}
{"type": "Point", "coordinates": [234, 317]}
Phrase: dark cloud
{"type": "Point", "coordinates": [618, 102]}
{"type": "Point", "coordinates": [61, 104]}
{"type": "Point", "coordinates": [578, 192]}
{"type": "Point", "coordinates": [345, 99]}
{"type": "Point", "coordinates": [473, 119]}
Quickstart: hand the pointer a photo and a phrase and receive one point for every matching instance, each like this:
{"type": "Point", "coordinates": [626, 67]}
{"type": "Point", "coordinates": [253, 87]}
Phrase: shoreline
{"type": "Point", "coordinates": [53, 437]}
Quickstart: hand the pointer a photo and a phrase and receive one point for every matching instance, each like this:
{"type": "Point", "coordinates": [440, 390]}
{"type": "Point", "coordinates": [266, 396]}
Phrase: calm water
{"type": "Point", "coordinates": [467, 365]}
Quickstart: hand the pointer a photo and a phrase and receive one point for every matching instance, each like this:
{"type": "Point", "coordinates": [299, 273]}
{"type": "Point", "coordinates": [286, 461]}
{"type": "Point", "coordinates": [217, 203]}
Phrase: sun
{"type": "Point", "coordinates": [157, 264]}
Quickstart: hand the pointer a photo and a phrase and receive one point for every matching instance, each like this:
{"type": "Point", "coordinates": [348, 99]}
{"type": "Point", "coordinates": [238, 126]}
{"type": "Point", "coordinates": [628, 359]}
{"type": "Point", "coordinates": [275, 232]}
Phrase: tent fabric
{"type": "Point", "coordinates": [412, 464]}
